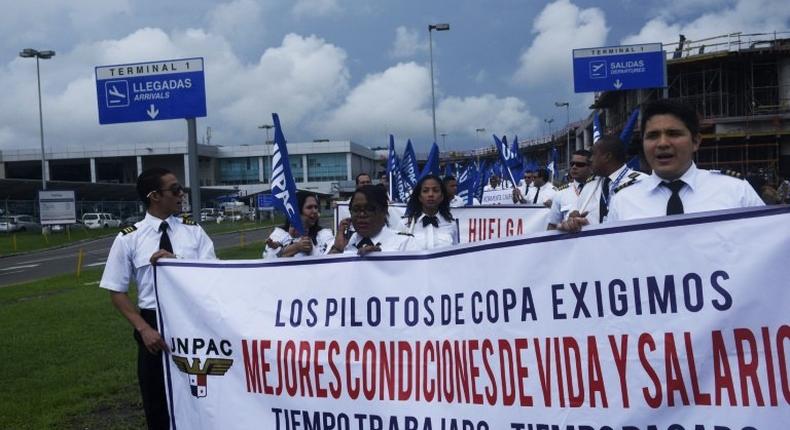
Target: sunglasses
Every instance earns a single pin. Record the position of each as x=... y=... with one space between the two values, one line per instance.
x=578 y=164
x=176 y=189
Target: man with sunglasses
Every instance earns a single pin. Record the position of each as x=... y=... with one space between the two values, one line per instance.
x=161 y=234
x=567 y=196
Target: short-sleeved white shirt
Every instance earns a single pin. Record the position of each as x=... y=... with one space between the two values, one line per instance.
x=131 y=252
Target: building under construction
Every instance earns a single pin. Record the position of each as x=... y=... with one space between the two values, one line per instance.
x=738 y=83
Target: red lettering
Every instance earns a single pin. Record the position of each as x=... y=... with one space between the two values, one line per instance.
x=290 y=372
x=558 y=366
x=748 y=370
x=769 y=366
x=351 y=382
x=645 y=340
x=721 y=370
x=404 y=358
x=491 y=392
x=334 y=389
x=429 y=392
x=544 y=371
x=522 y=373
x=304 y=368
x=387 y=370
x=461 y=371
x=318 y=369
x=595 y=372
x=369 y=370
x=251 y=368
x=569 y=345
x=673 y=372
x=781 y=335
x=620 y=359
x=474 y=372
x=700 y=398
x=505 y=371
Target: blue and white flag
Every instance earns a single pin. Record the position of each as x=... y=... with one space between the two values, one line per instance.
x=597 y=130
x=432 y=164
x=467 y=179
x=408 y=168
x=628 y=130
x=552 y=165
x=449 y=168
x=511 y=161
x=283 y=186
x=393 y=173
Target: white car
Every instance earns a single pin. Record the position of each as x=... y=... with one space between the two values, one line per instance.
x=19 y=223
x=95 y=220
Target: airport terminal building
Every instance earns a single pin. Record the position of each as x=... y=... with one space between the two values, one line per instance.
x=324 y=167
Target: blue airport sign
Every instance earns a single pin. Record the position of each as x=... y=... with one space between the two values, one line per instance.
x=615 y=68
x=152 y=91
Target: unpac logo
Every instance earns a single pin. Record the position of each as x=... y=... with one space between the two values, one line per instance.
x=198 y=375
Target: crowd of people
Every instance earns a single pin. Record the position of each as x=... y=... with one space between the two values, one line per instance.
x=601 y=189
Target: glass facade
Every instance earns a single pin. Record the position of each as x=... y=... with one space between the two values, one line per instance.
x=326 y=167
x=237 y=171
x=296 y=167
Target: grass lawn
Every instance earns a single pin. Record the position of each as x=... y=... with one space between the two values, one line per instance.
x=22 y=241
x=68 y=357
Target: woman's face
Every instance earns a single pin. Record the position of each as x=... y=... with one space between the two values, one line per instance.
x=430 y=195
x=367 y=217
x=310 y=213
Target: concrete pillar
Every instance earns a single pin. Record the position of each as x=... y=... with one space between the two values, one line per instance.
x=304 y=168
x=186 y=171
x=579 y=141
x=46 y=170
x=260 y=169
x=349 y=175
x=139 y=165
x=2 y=170
x=93 y=170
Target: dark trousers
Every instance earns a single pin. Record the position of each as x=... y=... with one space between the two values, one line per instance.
x=150 y=375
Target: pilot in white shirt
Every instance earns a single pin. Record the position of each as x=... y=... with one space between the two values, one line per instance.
x=567 y=196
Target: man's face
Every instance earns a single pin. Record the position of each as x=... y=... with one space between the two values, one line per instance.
x=580 y=168
x=537 y=180
x=599 y=160
x=452 y=189
x=529 y=177
x=669 y=146
x=385 y=180
x=169 y=195
x=494 y=181
x=363 y=180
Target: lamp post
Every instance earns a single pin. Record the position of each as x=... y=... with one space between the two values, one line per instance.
x=431 y=27
x=266 y=127
x=44 y=55
x=444 y=141
x=548 y=121
x=477 y=134
x=568 y=131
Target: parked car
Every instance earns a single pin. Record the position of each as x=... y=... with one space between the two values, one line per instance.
x=208 y=214
x=94 y=220
x=56 y=228
x=19 y=223
x=130 y=221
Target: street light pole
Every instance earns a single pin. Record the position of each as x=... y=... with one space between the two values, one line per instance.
x=266 y=127
x=444 y=141
x=30 y=53
x=568 y=131
x=477 y=134
x=431 y=27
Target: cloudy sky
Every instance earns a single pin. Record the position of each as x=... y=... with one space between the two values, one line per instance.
x=336 y=69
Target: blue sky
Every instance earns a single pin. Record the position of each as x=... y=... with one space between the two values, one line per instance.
x=336 y=69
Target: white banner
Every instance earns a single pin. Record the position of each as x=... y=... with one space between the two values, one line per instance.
x=498 y=197
x=477 y=223
x=675 y=324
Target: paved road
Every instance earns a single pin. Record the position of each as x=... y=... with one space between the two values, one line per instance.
x=44 y=264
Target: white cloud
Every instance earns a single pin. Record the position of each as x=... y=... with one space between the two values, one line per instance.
x=747 y=16
x=560 y=27
x=398 y=101
x=407 y=43
x=239 y=22
x=315 y=7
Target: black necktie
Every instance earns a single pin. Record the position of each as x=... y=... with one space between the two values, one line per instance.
x=674 y=204
x=363 y=242
x=604 y=201
x=535 y=200
x=164 y=241
x=430 y=220
x=581 y=186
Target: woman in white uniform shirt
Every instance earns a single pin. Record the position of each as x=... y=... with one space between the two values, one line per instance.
x=285 y=241
x=429 y=217
x=369 y=211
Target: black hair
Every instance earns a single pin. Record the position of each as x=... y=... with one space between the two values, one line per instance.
x=312 y=231
x=682 y=111
x=375 y=195
x=543 y=173
x=583 y=152
x=609 y=144
x=148 y=181
x=447 y=179
x=414 y=207
x=356 y=178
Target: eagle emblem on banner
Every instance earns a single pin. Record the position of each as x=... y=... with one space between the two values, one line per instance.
x=198 y=374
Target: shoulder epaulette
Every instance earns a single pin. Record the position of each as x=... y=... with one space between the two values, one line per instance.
x=728 y=172
x=634 y=175
x=403 y=233
x=187 y=221
x=562 y=187
x=625 y=185
x=127 y=230
x=590 y=179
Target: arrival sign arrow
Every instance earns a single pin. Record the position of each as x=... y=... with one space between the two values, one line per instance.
x=157 y=90
x=625 y=67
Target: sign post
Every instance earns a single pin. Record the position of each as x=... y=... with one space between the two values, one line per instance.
x=153 y=91
x=615 y=68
